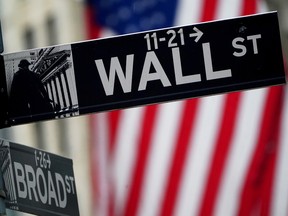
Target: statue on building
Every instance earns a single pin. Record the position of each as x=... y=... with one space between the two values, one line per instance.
x=28 y=95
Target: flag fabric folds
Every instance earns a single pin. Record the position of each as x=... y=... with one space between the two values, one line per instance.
x=217 y=155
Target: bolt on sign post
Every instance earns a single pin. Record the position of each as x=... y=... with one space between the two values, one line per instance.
x=142 y=68
x=37 y=181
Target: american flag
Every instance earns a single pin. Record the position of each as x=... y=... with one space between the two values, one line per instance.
x=217 y=155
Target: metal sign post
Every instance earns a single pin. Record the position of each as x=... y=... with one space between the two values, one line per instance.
x=1 y=40
x=142 y=68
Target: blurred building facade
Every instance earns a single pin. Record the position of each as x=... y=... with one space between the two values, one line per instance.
x=282 y=7
x=29 y=24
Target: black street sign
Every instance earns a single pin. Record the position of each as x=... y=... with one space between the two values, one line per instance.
x=37 y=182
x=142 y=68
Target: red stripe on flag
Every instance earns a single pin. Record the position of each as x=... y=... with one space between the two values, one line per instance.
x=93 y=30
x=221 y=152
x=179 y=158
x=249 y=7
x=141 y=160
x=223 y=143
x=262 y=164
x=278 y=94
x=114 y=117
x=208 y=13
x=209 y=10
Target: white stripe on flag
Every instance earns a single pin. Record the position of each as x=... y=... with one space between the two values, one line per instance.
x=163 y=140
x=229 y=9
x=127 y=135
x=280 y=193
x=242 y=147
x=101 y=153
x=188 y=11
x=199 y=155
x=262 y=6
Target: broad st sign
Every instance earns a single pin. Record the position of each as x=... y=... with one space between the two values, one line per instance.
x=142 y=68
x=37 y=182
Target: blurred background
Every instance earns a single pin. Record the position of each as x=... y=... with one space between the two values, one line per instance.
x=116 y=186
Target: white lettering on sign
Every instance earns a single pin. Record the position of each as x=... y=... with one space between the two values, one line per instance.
x=254 y=42
x=210 y=74
x=237 y=43
x=180 y=79
x=34 y=185
x=159 y=74
x=151 y=59
x=239 y=46
x=115 y=68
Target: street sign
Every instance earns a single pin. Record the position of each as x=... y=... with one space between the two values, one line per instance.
x=37 y=182
x=142 y=68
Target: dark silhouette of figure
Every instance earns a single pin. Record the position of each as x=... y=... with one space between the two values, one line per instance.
x=28 y=95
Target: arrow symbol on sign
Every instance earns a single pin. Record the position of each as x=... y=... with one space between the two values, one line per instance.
x=198 y=34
